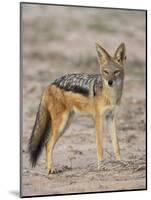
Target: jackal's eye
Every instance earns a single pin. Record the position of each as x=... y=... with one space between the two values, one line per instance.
x=105 y=72
x=117 y=72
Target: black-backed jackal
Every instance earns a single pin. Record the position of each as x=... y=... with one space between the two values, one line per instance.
x=97 y=94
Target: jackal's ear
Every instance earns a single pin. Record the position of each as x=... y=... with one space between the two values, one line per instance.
x=120 y=54
x=103 y=56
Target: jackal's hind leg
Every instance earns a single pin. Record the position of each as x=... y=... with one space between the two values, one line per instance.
x=58 y=127
x=49 y=150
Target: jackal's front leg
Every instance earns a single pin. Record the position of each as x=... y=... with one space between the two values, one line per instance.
x=114 y=138
x=99 y=138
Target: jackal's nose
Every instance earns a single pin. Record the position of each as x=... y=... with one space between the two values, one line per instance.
x=110 y=82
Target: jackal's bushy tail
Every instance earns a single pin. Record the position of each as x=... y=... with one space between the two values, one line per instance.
x=39 y=134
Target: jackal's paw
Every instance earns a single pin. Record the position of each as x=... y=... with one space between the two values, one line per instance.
x=118 y=157
x=99 y=165
x=51 y=170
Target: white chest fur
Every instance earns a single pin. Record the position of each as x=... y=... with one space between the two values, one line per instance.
x=112 y=96
x=109 y=110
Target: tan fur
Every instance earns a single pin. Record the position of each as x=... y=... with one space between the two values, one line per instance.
x=60 y=103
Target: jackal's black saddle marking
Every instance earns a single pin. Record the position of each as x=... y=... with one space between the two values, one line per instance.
x=85 y=84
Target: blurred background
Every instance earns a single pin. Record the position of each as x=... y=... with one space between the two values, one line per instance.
x=61 y=39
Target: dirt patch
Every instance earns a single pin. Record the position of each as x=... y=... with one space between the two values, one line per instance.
x=59 y=40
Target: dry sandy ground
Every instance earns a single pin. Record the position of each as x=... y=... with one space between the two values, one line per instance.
x=59 y=40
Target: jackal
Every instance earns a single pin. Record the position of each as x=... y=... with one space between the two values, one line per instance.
x=97 y=94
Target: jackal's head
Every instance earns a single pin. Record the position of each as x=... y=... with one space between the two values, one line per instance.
x=112 y=68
